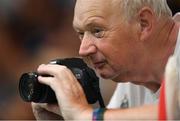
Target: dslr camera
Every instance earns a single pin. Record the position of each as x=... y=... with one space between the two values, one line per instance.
x=32 y=91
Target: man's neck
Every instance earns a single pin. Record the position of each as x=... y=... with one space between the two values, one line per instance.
x=166 y=38
x=171 y=38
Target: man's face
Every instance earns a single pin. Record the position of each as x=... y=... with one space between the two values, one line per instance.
x=107 y=39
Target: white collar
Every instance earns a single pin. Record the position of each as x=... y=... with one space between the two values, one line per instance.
x=176 y=17
x=177 y=48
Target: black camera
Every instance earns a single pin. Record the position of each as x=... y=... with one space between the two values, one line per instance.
x=33 y=91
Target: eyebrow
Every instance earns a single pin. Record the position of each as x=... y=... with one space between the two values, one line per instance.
x=89 y=24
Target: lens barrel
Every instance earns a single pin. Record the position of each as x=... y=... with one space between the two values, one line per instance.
x=32 y=91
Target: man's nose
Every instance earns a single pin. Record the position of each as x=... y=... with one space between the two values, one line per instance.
x=87 y=46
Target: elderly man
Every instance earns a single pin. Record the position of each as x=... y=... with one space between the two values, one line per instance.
x=126 y=41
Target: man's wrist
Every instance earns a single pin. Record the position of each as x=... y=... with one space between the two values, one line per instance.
x=85 y=114
x=98 y=114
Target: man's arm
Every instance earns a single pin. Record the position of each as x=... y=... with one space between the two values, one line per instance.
x=146 y=112
x=143 y=112
x=140 y=113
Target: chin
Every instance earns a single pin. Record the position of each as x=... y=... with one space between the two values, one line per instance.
x=119 y=77
x=106 y=72
x=104 y=76
x=107 y=75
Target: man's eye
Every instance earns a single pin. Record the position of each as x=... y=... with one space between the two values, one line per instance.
x=81 y=35
x=97 y=32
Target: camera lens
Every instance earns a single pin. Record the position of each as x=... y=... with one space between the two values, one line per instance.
x=28 y=87
x=32 y=91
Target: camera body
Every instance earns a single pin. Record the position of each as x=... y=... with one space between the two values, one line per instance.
x=33 y=91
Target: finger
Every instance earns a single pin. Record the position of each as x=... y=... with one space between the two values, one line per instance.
x=45 y=80
x=42 y=112
x=38 y=106
x=53 y=108
x=51 y=69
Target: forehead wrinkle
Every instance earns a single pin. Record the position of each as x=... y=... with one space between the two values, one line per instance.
x=92 y=20
x=89 y=22
x=80 y=22
x=87 y=10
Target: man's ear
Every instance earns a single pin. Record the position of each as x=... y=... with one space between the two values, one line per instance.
x=146 y=19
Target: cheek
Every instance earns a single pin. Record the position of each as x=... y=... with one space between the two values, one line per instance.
x=111 y=57
x=119 y=56
x=118 y=47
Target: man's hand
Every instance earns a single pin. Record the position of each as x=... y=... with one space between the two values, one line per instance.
x=46 y=111
x=69 y=93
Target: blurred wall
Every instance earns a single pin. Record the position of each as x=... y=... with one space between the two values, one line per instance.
x=33 y=32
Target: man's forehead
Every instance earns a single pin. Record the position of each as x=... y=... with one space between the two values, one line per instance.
x=87 y=8
x=89 y=5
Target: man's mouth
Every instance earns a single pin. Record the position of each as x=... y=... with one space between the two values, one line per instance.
x=99 y=64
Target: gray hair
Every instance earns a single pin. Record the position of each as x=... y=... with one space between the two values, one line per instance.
x=131 y=7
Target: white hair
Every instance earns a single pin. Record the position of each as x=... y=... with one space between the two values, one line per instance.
x=131 y=7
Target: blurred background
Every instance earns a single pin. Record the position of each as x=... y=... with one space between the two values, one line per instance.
x=174 y=5
x=33 y=32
